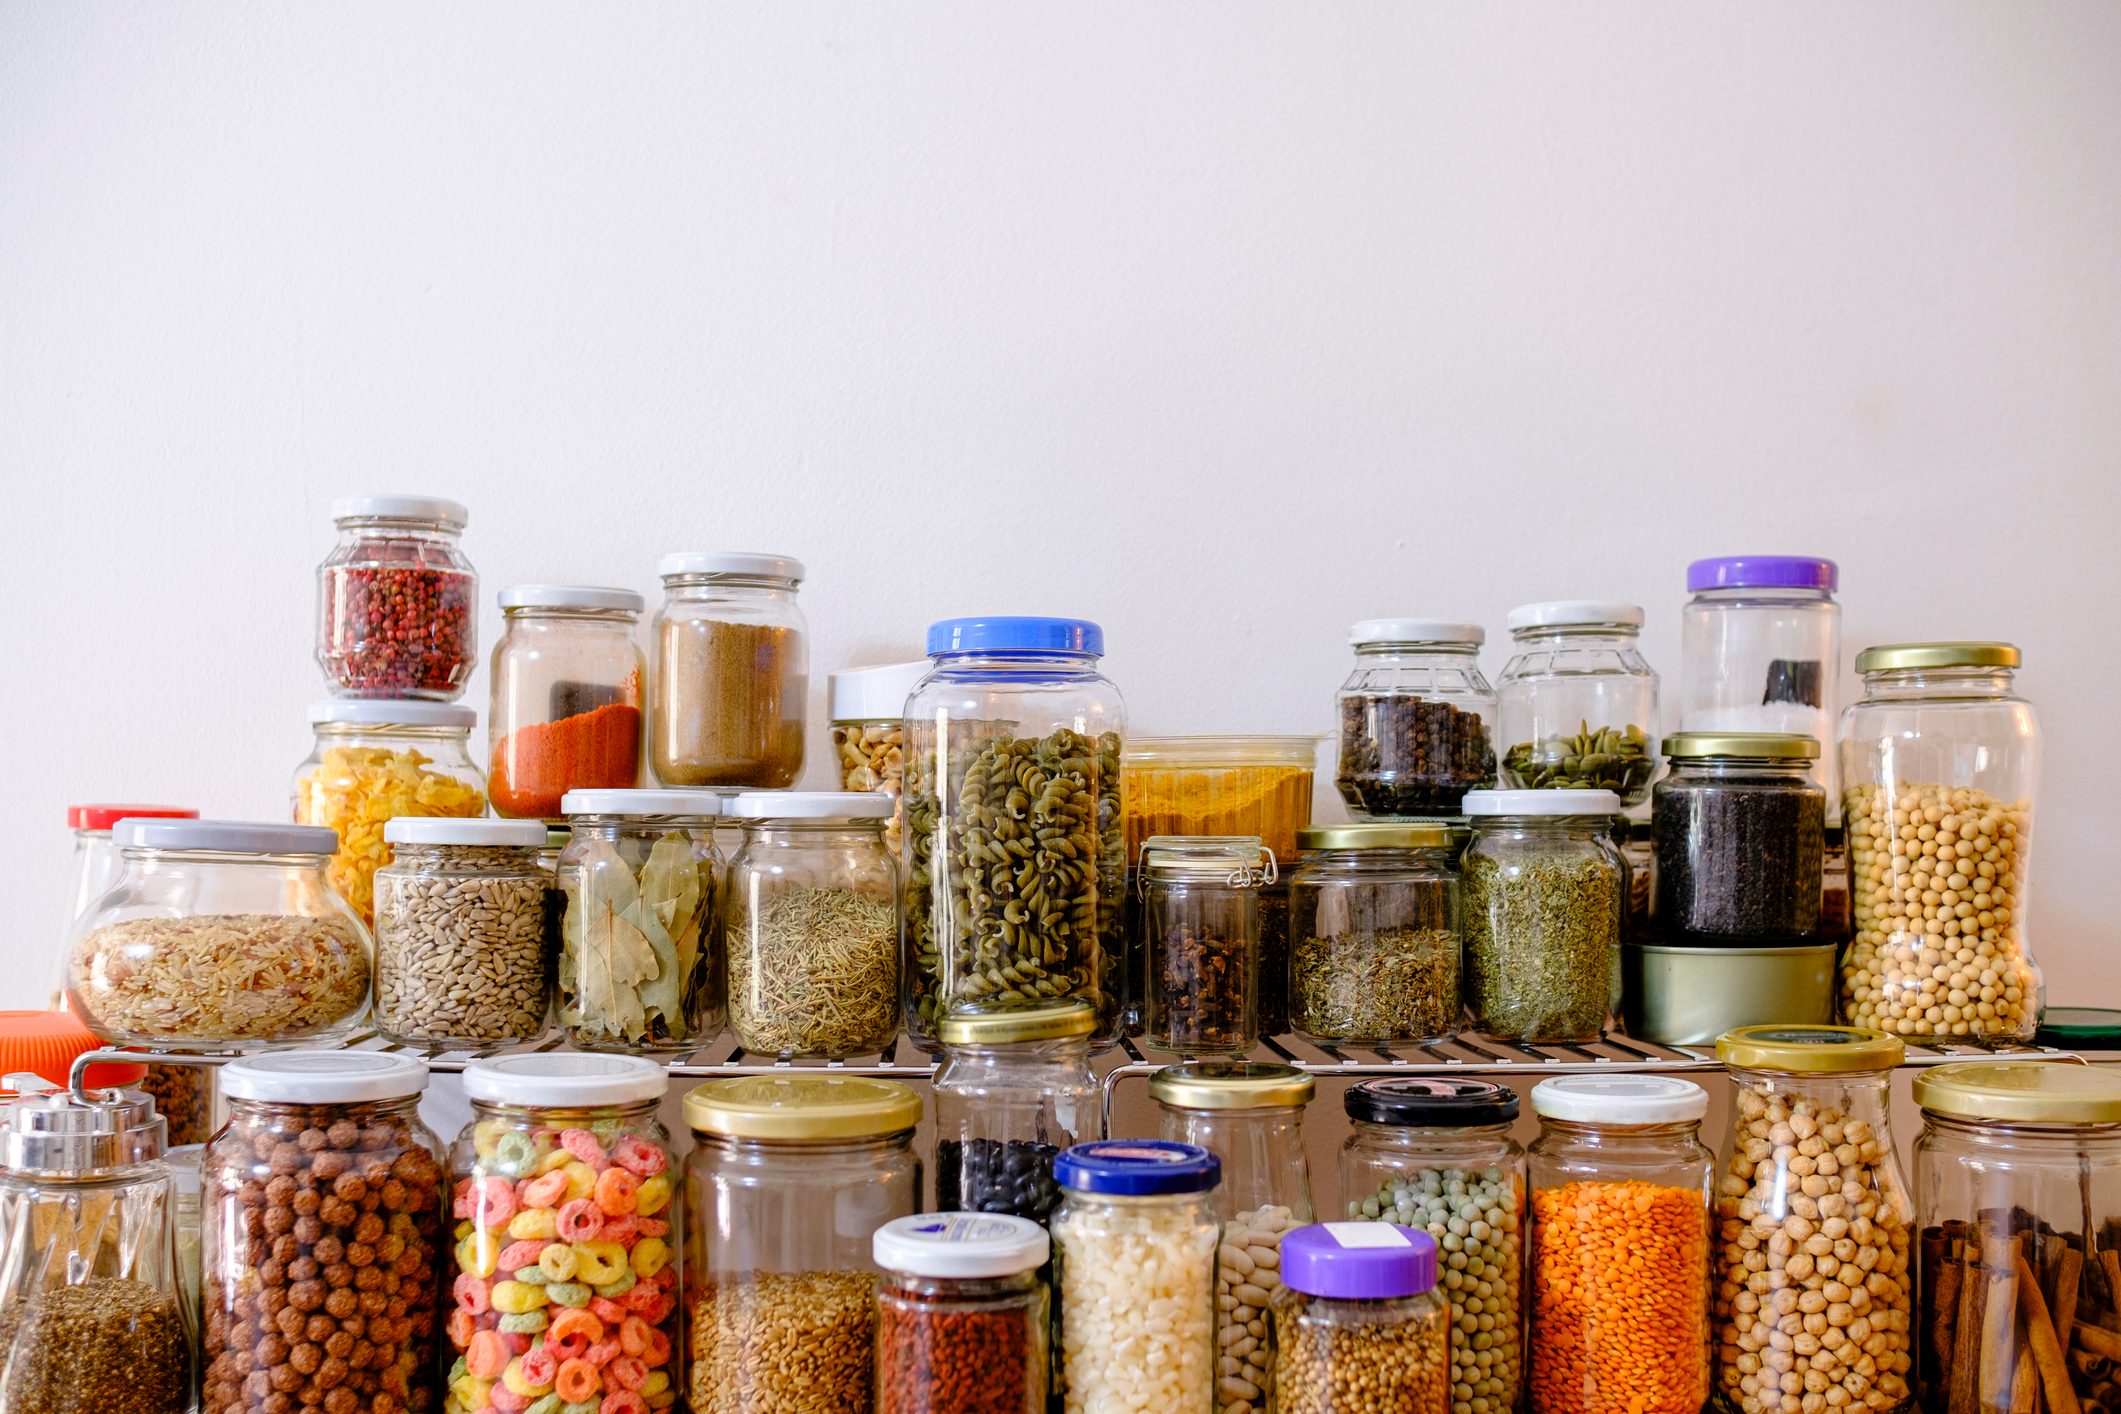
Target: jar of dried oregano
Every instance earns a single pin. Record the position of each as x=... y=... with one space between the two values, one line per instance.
x=731 y=672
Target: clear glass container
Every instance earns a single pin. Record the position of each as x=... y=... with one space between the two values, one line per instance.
x=1942 y=759
x=1251 y=1118
x=869 y=734
x=1579 y=701
x=790 y=1178
x=811 y=925
x=1741 y=842
x=565 y=1280
x=219 y=933
x=566 y=704
x=324 y=1231
x=1200 y=921
x=397 y=602
x=464 y=946
x=187 y=1179
x=1637 y=840
x=1013 y=1089
x=1375 y=933
x=1417 y=720
x=1135 y=1241
x=95 y=864
x=374 y=762
x=1359 y=1327
x=1015 y=853
x=1812 y=1269
x=93 y=1315
x=732 y=672
x=2018 y=1186
x=1545 y=888
x=1620 y=1246
x=962 y=1315
x=640 y=964
x=1436 y=1155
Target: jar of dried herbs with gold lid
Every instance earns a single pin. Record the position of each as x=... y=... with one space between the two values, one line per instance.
x=1374 y=935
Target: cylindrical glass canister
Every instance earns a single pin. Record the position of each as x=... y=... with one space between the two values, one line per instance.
x=731 y=671
x=1741 y=842
x=1013 y=1089
x=1578 y=700
x=397 y=601
x=567 y=694
x=1416 y=719
x=962 y=1315
x=1200 y=920
x=1375 y=933
x=463 y=944
x=1545 y=889
x=1358 y=1325
x=869 y=734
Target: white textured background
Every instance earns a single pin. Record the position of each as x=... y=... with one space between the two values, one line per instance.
x=1224 y=324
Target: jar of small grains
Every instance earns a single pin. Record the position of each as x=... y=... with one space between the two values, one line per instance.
x=1578 y=700
x=1416 y=719
x=1014 y=1088
x=1375 y=933
x=1358 y=1325
x=1200 y=941
x=397 y=601
x=962 y=1318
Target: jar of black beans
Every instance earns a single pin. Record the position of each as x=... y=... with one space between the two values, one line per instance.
x=1014 y=1088
x=1741 y=839
x=1416 y=719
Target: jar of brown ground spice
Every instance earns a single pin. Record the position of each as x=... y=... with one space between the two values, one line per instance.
x=731 y=673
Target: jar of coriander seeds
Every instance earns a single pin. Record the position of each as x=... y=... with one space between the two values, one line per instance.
x=1358 y=1326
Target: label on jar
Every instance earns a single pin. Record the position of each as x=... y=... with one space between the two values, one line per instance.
x=1366 y=1235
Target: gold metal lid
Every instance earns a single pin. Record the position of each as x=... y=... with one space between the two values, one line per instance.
x=1810 y=1050
x=2023 y=1092
x=1232 y=1085
x=1056 y=1021
x=801 y=1106
x=1905 y=657
x=1792 y=746
x=1383 y=834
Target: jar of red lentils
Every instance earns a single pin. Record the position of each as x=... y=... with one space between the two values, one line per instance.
x=397 y=601
x=962 y=1315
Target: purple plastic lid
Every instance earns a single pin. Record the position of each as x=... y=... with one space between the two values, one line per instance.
x=1763 y=572
x=1374 y=1261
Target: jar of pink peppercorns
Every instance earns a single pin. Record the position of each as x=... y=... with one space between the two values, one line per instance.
x=396 y=599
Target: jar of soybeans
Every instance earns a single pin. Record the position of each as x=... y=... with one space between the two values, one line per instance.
x=1545 y=891
x=566 y=707
x=397 y=601
x=1014 y=1088
x=1200 y=920
x=1578 y=700
x=732 y=671
x=1416 y=719
x=869 y=733
x=1358 y=1327
x=963 y=1316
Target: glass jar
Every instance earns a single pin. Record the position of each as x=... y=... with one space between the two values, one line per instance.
x=1544 y=891
x=95 y=865
x=463 y=956
x=1200 y=922
x=184 y=1097
x=1013 y=902
x=2018 y=1185
x=397 y=602
x=1358 y=1327
x=324 y=1237
x=565 y=1277
x=1741 y=842
x=566 y=707
x=1942 y=758
x=1135 y=1241
x=1813 y=1276
x=962 y=1316
x=1579 y=701
x=1251 y=1118
x=1014 y=1089
x=93 y=1316
x=219 y=933
x=1374 y=929
x=374 y=762
x=1620 y=1246
x=811 y=925
x=790 y=1177
x=1416 y=719
x=186 y=1180
x=1436 y=1155
x=1637 y=840
x=732 y=671
x=640 y=963
x=869 y=734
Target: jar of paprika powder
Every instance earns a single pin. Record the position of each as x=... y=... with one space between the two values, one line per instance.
x=566 y=696
x=962 y=1316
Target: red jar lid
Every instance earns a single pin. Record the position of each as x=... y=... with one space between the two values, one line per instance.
x=46 y=1042
x=102 y=817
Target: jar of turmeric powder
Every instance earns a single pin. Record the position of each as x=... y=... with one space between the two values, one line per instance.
x=566 y=696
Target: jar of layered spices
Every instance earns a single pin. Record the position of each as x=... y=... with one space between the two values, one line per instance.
x=1375 y=933
x=869 y=734
x=1200 y=921
x=566 y=684
x=397 y=601
x=732 y=671
x=962 y=1315
x=1578 y=700
x=1416 y=719
x=1741 y=842
x=1358 y=1325
x=1014 y=1089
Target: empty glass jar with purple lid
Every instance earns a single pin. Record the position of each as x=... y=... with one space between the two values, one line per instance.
x=1358 y=1325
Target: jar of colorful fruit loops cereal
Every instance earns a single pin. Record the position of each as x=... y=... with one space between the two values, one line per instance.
x=565 y=1283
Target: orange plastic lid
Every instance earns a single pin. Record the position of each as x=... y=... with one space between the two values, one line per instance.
x=46 y=1042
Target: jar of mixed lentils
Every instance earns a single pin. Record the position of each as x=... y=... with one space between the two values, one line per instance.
x=397 y=601
x=566 y=706
x=1741 y=842
x=1014 y=1088
x=1416 y=719
x=1200 y=920
x=1358 y=1325
x=1579 y=701
x=869 y=733
x=1375 y=933
x=732 y=671
x=962 y=1315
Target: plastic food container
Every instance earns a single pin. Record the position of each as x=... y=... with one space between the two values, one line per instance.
x=1375 y=933
x=732 y=671
x=962 y=1315
x=397 y=602
x=1578 y=700
x=566 y=707
x=1416 y=719
x=463 y=944
x=1358 y=1325
x=1219 y=785
x=1741 y=842
x=869 y=733
x=1939 y=901
x=1013 y=1089
x=374 y=762
x=219 y=933
x=1200 y=918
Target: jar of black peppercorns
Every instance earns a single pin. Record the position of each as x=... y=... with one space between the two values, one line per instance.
x=1013 y=1090
x=1416 y=719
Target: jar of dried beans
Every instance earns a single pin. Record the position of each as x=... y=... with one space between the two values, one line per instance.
x=566 y=706
x=1416 y=719
x=962 y=1318
x=869 y=733
x=397 y=602
x=789 y=1179
x=1200 y=920
x=324 y=1228
x=1741 y=842
x=1014 y=1088
x=1579 y=701
x=1940 y=760
x=1620 y=1246
x=1545 y=891
x=732 y=671
x=1374 y=929
x=1814 y=1277
x=1358 y=1325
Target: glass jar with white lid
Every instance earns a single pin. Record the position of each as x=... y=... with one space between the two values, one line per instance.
x=1417 y=719
x=567 y=696
x=731 y=677
x=869 y=733
x=1579 y=701
x=963 y=1315
x=397 y=601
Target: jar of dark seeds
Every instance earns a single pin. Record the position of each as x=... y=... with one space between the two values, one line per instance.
x=1416 y=719
x=1013 y=1090
x=1545 y=888
x=1200 y=922
x=1741 y=840
x=1374 y=933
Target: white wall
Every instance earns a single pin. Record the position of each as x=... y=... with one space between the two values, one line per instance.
x=1224 y=324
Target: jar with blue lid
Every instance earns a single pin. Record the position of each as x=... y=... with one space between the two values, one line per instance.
x=1358 y=1327
x=1015 y=861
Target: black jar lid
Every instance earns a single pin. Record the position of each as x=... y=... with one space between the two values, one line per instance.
x=1432 y=1102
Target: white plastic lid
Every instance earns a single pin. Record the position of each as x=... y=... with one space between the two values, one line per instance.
x=225 y=836
x=569 y=596
x=691 y=562
x=811 y=805
x=1619 y=1099
x=960 y=1245
x=323 y=1077
x=566 y=1079
x=394 y=507
x=1540 y=802
x=1416 y=631
x=631 y=802
x=494 y=834
x=1562 y=613
x=876 y=694
x=391 y=712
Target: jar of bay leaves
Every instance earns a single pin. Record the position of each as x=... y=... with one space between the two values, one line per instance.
x=810 y=926
x=1015 y=857
x=731 y=671
x=1579 y=701
x=1014 y=1089
x=1200 y=926
x=1374 y=934
x=1416 y=719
